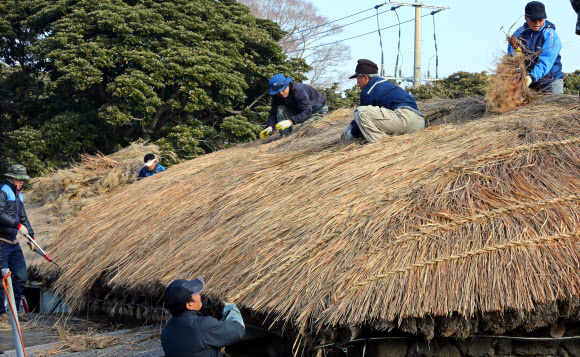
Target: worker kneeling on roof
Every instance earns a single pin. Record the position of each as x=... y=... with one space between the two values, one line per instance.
x=541 y=46
x=292 y=104
x=190 y=333
x=385 y=108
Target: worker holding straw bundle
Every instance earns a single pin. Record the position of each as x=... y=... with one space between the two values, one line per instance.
x=541 y=46
x=292 y=104
x=191 y=333
x=576 y=6
x=13 y=220
x=385 y=108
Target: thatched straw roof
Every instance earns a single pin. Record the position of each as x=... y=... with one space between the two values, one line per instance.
x=456 y=219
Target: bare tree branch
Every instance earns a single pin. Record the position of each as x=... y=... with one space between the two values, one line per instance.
x=305 y=28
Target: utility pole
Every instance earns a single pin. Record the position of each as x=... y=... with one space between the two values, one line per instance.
x=417 y=67
x=417 y=64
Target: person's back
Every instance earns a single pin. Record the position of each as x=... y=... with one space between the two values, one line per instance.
x=193 y=334
x=190 y=333
x=381 y=92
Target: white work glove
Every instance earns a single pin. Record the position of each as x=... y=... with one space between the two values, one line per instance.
x=23 y=230
x=348 y=128
x=528 y=81
x=348 y=136
x=264 y=134
x=284 y=124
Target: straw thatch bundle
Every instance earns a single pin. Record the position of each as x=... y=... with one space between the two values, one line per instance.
x=509 y=89
x=453 y=221
x=66 y=191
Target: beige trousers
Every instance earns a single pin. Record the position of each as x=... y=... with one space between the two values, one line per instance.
x=377 y=123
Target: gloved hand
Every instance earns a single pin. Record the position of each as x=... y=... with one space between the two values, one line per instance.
x=518 y=52
x=348 y=128
x=22 y=229
x=264 y=134
x=284 y=124
x=348 y=136
x=528 y=81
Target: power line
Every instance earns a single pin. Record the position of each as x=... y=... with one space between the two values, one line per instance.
x=334 y=29
x=350 y=38
x=333 y=21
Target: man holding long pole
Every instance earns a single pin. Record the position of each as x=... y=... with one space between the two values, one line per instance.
x=13 y=220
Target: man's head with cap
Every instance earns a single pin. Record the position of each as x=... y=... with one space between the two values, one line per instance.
x=364 y=71
x=150 y=161
x=182 y=295
x=535 y=14
x=279 y=85
x=17 y=175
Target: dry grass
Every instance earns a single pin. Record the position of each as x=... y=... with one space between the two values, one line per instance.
x=70 y=341
x=509 y=89
x=455 y=219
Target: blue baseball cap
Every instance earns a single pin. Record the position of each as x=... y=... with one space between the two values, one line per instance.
x=179 y=291
x=278 y=83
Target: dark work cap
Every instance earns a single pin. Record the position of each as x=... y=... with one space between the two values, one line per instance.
x=179 y=291
x=365 y=66
x=535 y=10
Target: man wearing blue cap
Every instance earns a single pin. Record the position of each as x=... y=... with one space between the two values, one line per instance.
x=576 y=7
x=541 y=46
x=190 y=333
x=292 y=104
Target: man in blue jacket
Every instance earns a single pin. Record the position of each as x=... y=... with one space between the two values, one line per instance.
x=190 y=333
x=150 y=167
x=292 y=104
x=13 y=220
x=385 y=108
x=576 y=7
x=541 y=46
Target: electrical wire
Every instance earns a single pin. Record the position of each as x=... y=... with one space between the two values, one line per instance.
x=436 y=51
x=333 y=29
x=381 y=42
x=342 y=18
x=350 y=38
x=399 y=44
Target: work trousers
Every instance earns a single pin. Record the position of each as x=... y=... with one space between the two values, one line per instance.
x=555 y=87
x=377 y=123
x=13 y=259
x=285 y=113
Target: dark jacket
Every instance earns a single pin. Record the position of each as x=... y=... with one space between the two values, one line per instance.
x=194 y=334
x=300 y=100
x=146 y=173
x=576 y=6
x=12 y=212
x=543 y=47
x=380 y=92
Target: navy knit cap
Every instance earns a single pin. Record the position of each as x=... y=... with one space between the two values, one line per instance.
x=278 y=83
x=535 y=10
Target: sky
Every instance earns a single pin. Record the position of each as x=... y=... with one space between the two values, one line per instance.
x=469 y=33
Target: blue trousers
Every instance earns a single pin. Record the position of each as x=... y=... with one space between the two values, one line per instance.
x=13 y=259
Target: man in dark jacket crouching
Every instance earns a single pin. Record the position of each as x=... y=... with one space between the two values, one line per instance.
x=191 y=333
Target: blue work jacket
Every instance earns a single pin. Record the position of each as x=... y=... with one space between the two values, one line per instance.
x=543 y=49
x=146 y=173
x=380 y=92
x=12 y=212
x=194 y=334
x=300 y=100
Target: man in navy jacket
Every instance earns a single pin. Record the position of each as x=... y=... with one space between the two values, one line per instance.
x=385 y=108
x=13 y=220
x=191 y=333
x=541 y=46
x=292 y=104
x=576 y=6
